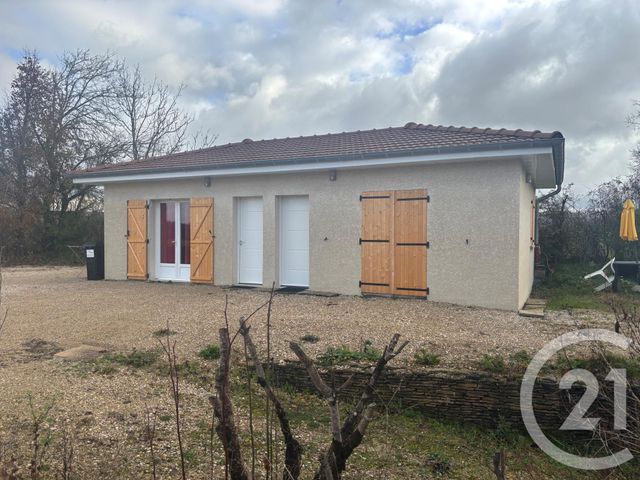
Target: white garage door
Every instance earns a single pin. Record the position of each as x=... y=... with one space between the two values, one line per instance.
x=294 y=241
x=250 y=240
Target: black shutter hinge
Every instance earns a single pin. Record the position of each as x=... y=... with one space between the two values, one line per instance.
x=428 y=198
x=428 y=244
x=359 y=241
x=147 y=241
x=147 y=275
x=427 y=290
x=360 y=284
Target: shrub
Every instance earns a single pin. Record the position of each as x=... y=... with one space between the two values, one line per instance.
x=493 y=363
x=424 y=357
x=210 y=352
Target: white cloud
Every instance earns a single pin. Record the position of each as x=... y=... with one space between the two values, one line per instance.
x=260 y=69
x=7 y=71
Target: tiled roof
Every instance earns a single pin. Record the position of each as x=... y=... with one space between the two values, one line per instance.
x=410 y=139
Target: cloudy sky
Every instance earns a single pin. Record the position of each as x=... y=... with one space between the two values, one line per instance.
x=271 y=68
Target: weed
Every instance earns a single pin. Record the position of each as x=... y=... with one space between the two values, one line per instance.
x=309 y=338
x=104 y=368
x=210 y=352
x=493 y=363
x=505 y=434
x=439 y=463
x=521 y=357
x=135 y=359
x=599 y=364
x=343 y=354
x=424 y=357
x=164 y=332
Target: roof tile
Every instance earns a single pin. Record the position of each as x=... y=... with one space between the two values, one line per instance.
x=401 y=140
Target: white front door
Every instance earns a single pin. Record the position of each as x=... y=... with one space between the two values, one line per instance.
x=173 y=240
x=294 y=241
x=249 y=238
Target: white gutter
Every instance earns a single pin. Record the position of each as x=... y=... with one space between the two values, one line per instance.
x=316 y=166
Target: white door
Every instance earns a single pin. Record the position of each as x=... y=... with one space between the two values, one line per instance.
x=249 y=240
x=294 y=241
x=173 y=237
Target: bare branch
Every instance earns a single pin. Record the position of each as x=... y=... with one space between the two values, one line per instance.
x=223 y=410
x=293 y=450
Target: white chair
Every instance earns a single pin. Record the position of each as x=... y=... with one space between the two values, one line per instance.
x=608 y=279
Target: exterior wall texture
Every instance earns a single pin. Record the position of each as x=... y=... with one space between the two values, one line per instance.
x=526 y=251
x=475 y=226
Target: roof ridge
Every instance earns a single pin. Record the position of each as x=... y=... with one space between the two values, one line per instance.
x=485 y=131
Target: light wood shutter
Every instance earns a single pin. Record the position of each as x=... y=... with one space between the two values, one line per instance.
x=394 y=242
x=375 y=241
x=137 y=240
x=410 y=246
x=201 y=214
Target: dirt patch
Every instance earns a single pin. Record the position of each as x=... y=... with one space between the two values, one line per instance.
x=38 y=349
x=81 y=353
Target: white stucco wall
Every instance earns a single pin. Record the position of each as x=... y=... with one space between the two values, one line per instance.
x=475 y=225
x=526 y=250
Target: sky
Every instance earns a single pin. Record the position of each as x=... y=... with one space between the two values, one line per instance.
x=276 y=68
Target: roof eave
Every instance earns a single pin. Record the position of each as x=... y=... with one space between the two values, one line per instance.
x=557 y=145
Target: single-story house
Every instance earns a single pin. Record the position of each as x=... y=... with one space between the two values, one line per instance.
x=447 y=213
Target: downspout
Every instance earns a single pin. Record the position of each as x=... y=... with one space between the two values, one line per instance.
x=558 y=165
x=539 y=200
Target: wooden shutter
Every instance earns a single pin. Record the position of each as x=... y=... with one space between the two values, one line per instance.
x=201 y=212
x=137 y=240
x=375 y=241
x=394 y=242
x=410 y=246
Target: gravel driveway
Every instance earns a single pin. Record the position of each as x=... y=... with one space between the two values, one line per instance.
x=58 y=305
x=56 y=308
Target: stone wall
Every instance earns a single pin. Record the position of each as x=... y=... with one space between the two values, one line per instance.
x=469 y=397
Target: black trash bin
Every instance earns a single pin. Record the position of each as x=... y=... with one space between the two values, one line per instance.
x=94 y=255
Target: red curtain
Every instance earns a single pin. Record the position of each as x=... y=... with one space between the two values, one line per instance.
x=167 y=232
x=185 y=234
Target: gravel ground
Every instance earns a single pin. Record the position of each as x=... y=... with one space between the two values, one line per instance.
x=58 y=305
x=56 y=308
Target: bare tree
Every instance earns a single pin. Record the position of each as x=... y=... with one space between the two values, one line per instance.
x=149 y=116
x=88 y=110
x=72 y=132
x=633 y=121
